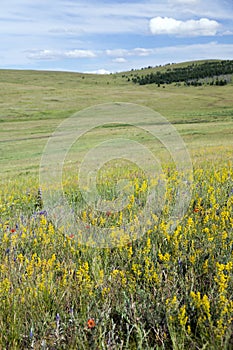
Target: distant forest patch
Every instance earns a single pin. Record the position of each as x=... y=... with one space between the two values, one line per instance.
x=196 y=74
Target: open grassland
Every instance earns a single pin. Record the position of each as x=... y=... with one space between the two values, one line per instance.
x=154 y=287
x=33 y=104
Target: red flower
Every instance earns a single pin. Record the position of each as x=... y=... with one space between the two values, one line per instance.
x=108 y=213
x=71 y=236
x=91 y=323
x=13 y=230
x=196 y=210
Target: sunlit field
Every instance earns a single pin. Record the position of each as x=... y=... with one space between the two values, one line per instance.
x=163 y=282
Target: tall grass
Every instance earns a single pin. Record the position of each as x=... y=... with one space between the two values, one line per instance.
x=162 y=290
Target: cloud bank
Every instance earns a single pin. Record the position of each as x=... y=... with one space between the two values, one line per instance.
x=171 y=26
x=53 y=54
x=115 y=34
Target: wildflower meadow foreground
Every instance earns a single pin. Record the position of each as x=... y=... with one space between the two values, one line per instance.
x=163 y=289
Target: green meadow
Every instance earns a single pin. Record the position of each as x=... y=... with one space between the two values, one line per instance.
x=33 y=104
x=135 y=276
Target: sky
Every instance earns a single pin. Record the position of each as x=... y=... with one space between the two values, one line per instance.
x=112 y=36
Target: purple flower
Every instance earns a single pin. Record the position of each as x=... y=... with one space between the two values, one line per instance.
x=31 y=333
x=57 y=320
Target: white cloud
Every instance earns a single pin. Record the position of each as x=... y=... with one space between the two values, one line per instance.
x=43 y=54
x=201 y=27
x=99 y=71
x=54 y=55
x=227 y=32
x=138 y=51
x=119 y=60
x=142 y=52
x=79 y=54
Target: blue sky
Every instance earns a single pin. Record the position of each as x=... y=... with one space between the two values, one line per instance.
x=110 y=36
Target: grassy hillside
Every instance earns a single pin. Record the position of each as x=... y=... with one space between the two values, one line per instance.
x=163 y=68
x=196 y=74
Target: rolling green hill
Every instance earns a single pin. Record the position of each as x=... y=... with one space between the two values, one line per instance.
x=33 y=104
x=193 y=73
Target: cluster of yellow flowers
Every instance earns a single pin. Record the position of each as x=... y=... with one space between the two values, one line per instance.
x=183 y=276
